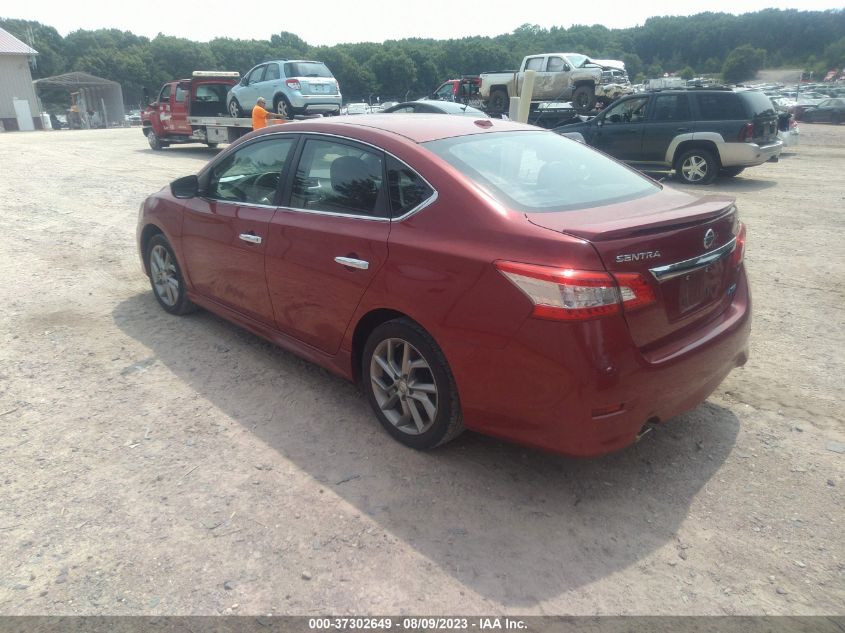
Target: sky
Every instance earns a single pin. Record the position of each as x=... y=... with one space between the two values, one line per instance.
x=329 y=22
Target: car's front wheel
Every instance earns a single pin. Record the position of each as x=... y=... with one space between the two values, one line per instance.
x=235 y=109
x=697 y=167
x=155 y=142
x=409 y=385
x=166 y=277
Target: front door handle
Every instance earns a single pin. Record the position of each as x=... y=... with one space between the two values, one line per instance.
x=352 y=263
x=252 y=238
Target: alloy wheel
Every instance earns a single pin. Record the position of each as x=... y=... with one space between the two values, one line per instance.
x=164 y=275
x=404 y=386
x=694 y=168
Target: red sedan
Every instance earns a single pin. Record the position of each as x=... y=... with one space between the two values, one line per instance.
x=466 y=272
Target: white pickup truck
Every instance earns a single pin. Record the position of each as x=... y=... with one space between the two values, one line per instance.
x=560 y=77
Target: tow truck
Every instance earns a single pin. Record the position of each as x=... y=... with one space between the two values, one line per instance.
x=194 y=111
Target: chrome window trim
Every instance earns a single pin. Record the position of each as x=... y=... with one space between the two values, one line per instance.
x=687 y=266
x=422 y=205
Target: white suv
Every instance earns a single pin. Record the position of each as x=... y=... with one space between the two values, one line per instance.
x=291 y=86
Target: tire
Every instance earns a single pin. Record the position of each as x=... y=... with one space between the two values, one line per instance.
x=282 y=106
x=166 y=278
x=499 y=100
x=697 y=167
x=155 y=142
x=420 y=419
x=584 y=99
x=730 y=172
x=235 y=109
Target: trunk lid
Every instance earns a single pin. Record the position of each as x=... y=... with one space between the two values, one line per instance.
x=650 y=237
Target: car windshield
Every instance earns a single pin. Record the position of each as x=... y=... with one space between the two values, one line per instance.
x=307 y=69
x=541 y=171
x=576 y=60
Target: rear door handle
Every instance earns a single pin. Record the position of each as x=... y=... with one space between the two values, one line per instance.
x=252 y=238
x=352 y=263
x=682 y=129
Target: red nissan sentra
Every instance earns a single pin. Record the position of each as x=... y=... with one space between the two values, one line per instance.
x=467 y=273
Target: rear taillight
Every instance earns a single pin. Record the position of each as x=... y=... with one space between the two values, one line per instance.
x=293 y=84
x=746 y=134
x=577 y=295
x=738 y=253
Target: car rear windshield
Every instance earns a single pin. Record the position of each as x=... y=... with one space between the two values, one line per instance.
x=307 y=69
x=541 y=171
x=760 y=104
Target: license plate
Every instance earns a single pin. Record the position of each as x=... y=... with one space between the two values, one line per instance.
x=320 y=88
x=698 y=288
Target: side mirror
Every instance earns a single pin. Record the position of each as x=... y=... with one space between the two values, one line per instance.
x=187 y=187
x=567 y=67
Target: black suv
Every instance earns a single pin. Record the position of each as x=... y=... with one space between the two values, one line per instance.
x=700 y=133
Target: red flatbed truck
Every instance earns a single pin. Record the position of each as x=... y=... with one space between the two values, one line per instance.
x=194 y=111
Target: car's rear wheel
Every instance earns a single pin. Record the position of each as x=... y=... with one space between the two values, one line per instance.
x=166 y=277
x=730 y=172
x=498 y=100
x=697 y=167
x=282 y=106
x=235 y=109
x=409 y=385
x=584 y=99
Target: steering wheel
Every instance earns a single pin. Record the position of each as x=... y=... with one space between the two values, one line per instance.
x=270 y=180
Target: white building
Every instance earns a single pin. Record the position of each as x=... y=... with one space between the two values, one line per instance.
x=18 y=104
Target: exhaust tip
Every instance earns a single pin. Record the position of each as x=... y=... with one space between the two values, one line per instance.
x=647 y=428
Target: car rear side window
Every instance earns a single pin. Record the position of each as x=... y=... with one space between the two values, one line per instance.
x=252 y=173
x=535 y=63
x=541 y=171
x=759 y=103
x=407 y=188
x=671 y=108
x=272 y=72
x=339 y=178
x=720 y=106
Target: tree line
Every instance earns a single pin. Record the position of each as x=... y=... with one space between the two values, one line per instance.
x=707 y=43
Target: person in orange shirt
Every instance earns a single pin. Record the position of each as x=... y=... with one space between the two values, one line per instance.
x=260 y=114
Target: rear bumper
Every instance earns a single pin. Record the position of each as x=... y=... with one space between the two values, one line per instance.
x=316 y=103
x=585 y=389
x=748 y=154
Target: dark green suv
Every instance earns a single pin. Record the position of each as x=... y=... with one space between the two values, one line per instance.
x=699 y=133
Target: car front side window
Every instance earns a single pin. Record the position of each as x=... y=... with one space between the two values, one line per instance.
x=628 y=111
x=251 y=175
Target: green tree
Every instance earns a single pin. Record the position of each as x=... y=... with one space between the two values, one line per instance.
x=742 y=63
x=687 y=73
x=395 y=72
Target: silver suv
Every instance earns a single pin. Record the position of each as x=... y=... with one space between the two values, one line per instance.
x=291 y=86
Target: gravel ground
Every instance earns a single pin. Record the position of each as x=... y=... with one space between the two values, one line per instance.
x=159 y=465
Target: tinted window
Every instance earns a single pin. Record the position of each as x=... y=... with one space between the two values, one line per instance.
x=541 y=171
x=210 y=93
x=671 y=108
x=272 y=72
x=339 y=178
x=165 y=93
x=407 y=189
x=535 y=63
x=720 y=106
x=628 y=111
x=181 y=93
x=307 y=69
x=555 y=64
x=760 y=103
x=252 y=173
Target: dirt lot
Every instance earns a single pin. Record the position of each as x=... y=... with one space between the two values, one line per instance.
x=159 y=465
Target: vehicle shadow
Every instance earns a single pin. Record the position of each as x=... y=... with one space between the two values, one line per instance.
x=515 y=525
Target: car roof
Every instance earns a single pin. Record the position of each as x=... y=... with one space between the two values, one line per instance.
x=419 y=128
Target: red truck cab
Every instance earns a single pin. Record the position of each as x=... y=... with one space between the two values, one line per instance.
x=167 y=119
x=464 y=90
